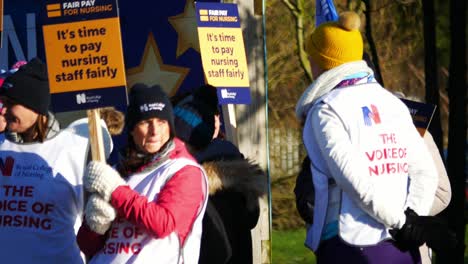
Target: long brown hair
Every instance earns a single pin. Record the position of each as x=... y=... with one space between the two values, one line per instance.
x=134 y=159
x=131 y=159
x=38 y=131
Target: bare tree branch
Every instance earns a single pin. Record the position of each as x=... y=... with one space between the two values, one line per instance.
x=298 y=12
x=291 y=7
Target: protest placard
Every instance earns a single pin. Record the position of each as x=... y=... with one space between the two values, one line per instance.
x=84 y=57
x=223 y=52
x=421 y=113
x=84 y=54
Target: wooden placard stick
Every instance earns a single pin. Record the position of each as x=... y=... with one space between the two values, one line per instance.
x=230 y=123
x=95 y=135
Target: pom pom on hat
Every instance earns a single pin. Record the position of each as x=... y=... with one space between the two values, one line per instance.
x=334 y=43
x=349 y=21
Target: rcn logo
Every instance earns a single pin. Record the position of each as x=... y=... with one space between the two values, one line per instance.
x=81 y=98
x=371 y=115
x=6 y=166
x=225 y=94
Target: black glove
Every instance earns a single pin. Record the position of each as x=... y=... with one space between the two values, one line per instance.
x=437 y=234
x=418 y=230
x=411 y=234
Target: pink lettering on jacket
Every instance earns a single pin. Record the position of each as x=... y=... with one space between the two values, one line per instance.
x=390 y=159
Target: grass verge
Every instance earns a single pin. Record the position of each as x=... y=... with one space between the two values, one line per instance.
x=288 y=248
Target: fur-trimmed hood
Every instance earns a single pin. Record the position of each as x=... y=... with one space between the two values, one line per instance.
x=240 y=175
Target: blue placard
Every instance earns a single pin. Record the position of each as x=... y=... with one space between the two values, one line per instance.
x=227 y=14
x=421 y=113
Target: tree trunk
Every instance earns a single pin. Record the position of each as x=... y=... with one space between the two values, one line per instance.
x=303 y=57
x=370 y=40
x=297 y=11
x=456 y=159
x=430 y=71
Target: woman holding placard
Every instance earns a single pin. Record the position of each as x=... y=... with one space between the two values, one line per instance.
x=150 y=209
x=41 y=195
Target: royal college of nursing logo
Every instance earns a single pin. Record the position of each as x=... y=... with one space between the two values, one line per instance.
x=83 y=98
x=6 y=166
x=225 y=94
x=152 y=107
x=371 y=115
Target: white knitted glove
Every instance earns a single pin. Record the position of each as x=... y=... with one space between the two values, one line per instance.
x=99 y=214
x=102 y=179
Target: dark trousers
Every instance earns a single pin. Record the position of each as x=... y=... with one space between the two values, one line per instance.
x=335 y=250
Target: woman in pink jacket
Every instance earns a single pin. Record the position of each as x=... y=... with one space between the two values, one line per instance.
x=150 y=208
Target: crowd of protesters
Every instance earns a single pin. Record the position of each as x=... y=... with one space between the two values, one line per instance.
x=182 y=193
x=60 y=206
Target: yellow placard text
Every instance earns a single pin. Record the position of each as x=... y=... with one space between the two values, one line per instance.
x=223 y=56
x=84 y=55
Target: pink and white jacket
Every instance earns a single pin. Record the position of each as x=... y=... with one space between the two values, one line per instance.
x=363 y=138
x=159 y=215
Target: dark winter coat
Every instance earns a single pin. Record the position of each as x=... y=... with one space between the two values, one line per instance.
x=235 y=185
x=304 y=192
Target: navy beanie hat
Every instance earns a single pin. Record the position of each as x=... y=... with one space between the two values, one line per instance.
x=194 y=117
x=149 y=102
x=29 y=86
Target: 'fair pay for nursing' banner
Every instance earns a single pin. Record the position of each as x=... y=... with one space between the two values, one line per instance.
x=84 y=54
x=222 y=51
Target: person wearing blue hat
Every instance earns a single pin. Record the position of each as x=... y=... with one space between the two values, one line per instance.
x=236 y=183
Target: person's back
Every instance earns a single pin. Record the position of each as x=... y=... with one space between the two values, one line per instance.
x=235 y=186
x=381 y=146
x=362 y=137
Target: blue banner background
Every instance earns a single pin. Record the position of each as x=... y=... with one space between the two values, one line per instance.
x=140 y=21
x=155 y=50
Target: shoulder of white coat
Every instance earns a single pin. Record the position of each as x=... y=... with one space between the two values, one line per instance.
x=80 y=128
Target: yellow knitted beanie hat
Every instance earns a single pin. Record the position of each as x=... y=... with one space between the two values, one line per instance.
x=334 y=43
